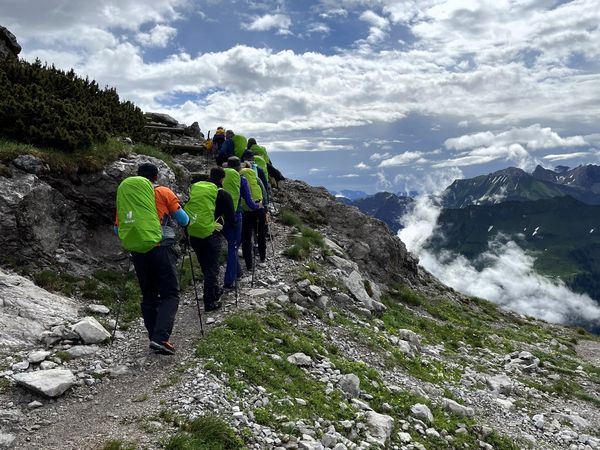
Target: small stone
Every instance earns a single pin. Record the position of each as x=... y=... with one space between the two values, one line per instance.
x=20 y=366
x=35 y=404
x=405 y=438
x=80 y=351
x=301 y=401
x=300 y=359
x=38 y=356
x=350 y=385
x=380 y=426
x=91 y=331
x=98 y=309
x=457 y=408
x=46 y=365
x=422 y=412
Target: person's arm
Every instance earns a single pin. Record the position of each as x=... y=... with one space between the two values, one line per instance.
x=262 y=176
x=174 y=207
x=247 y=195
x=224 y=207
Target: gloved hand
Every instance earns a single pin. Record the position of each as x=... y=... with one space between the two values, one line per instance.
x=260 y=204
x=218 y=226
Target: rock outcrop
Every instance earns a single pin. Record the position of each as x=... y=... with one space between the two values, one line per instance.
x=9 y=47
x=75 y=233
x=26 y=311
x=366 y=240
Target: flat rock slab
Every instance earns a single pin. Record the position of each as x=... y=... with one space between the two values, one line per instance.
x=51 y=383
x=91 y=331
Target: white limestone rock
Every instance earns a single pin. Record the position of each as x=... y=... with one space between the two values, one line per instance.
x=350 y=385
x=422 y=412
x=380 y=426
x=51 y=383
x=91 y=331
x=38 y=356
x=300 y=359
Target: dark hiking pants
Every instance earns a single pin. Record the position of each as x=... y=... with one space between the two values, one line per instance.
x=253 y=225
x=156 y=271
x=208 y=251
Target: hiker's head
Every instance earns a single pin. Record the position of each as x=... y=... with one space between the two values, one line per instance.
x=229 y=134
x=220 y=130
x=251 y=142
x=216 y=176
x=233 y=162
x=148 y=170
x=247 y=156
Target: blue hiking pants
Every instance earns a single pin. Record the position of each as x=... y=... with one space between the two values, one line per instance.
x=233 y=235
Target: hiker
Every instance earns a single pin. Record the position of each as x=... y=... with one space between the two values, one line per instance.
x=227 y=148
x=210 y=208
x=273 y=174
x=253 y=221
x=144 y=217
x=239 y=189
x=248 y=157
x=217 y=140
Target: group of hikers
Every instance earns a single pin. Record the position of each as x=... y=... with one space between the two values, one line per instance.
x=232 y=203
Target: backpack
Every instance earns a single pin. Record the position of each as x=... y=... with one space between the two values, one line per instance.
x=239 y=142
x=139 y=227
x=201 y=209
x=232 y=184
x=255 y=189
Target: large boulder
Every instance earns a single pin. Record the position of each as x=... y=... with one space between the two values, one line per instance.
x=51 y=383
x=164 y=119
x=26 y=311
x=8 y=44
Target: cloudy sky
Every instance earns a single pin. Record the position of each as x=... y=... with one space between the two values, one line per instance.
x=349 y=94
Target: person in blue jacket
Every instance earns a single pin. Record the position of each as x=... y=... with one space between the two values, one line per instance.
x=227 y=148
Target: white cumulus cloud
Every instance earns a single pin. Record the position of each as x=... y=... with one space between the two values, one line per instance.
x=280 y=22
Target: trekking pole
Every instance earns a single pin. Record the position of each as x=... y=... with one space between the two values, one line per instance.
x=237 y=294
x=195 y=290
x=121 y=300
x=270 y=236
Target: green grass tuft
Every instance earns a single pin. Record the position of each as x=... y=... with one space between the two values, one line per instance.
x=208 y=432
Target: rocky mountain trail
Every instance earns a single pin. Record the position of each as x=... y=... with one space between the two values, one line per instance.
x=341 y=342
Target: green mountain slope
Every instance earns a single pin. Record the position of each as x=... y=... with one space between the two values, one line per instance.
x=562 y=233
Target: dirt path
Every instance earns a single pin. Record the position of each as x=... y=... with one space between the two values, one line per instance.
x=125 y=407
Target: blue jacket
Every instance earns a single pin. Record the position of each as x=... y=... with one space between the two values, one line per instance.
x=226 y=150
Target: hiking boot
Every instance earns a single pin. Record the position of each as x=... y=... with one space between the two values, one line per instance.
x=163 y=348
x=213 y=307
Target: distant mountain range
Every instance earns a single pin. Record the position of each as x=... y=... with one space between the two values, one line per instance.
x=513 y=184
x=349 y=194
x=385 y=206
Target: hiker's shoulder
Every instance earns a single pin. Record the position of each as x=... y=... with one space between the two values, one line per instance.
x=166 y=196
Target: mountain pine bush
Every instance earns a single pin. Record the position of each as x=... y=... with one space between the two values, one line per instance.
x=48 y=107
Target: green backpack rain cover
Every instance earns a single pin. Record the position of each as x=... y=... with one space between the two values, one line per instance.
x=231 y=184
x=255 y=189
x=260 y=162
x=259 y=150
x=201 y=209
x=239 y=144
x=139 y=227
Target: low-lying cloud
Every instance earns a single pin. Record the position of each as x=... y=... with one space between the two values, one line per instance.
x=507 y=278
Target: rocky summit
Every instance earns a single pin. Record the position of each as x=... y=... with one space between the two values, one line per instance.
x=341 y=342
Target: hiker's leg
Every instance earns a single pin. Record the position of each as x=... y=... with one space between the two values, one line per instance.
x=166 y=263
x=229 y=232
x=202 y=250
x=144 y=270
x=211 y=275
x=247 y=238
x=261 y=217
x=238 y=241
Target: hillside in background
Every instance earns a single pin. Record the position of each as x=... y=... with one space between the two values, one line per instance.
x=563 y=234
x=513 y=184
x=385 y=206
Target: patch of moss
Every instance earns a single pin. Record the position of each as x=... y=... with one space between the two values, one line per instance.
x=207 y=432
